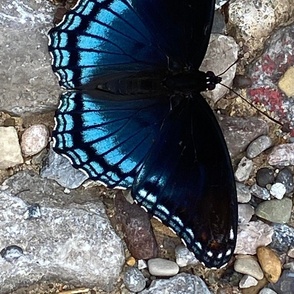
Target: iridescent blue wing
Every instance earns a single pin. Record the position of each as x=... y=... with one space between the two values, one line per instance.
x=187 y=182
x=107 y=137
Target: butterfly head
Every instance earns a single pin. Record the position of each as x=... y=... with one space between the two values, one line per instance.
x=212 y=80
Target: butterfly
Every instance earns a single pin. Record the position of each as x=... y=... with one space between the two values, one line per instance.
x=133 y=116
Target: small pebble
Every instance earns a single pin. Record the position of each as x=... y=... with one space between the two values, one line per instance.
x=33 y=211
x=245 y=213
x=270 y=263
x=291 y=252
x=134 y=280
x=267 y=291
x=244 y=169
x=278 y=190
x=131 y=261
x=249 y=266
x=285 y=284
x=277 y=211
x=265 y=176
x=247 y=281
x=243 y=193
x=242 y=82
x=34 y=139
x=184 y=256
x=142 y=264
x=259 y=192
x=11 y=253
x=162 y=267
x=258 y=146
x=282 y=155
x=285 y=177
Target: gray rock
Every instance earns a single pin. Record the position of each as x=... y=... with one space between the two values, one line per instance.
x=134 y=280
x=247 y=281
x=259 y=145
x=282 y=155
x=285 y=284
x=285 y=177
x=277 y=211
x=248 y=265
x=243 y=193
x=245 y=213
x=253 y=235
x=184 y=256
x=283 y=238
x=10 y=154
x=70 y=240
x=244 y=169
x=57 y=167
x=259 y=192
x=162 y=267
x=267 y=291
x=180 y=284
x=27 y=81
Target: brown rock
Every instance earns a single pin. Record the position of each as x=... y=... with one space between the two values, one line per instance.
x=270 y=263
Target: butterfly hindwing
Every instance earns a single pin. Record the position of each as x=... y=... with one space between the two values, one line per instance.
x=187 y=182
x=107 y=137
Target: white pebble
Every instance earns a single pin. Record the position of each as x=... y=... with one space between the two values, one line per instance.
x=162 y=267
x=278 y=190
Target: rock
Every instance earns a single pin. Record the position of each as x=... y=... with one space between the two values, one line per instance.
x=243 y=193
x=285 y=284
x=245 y=213
x=180 y=284
x=265 y=176
x=259 y=192
x=285 y=177
x=267 y=291
x=282 y=155
x=247 y=281
x=259 y=145
x=244 y=169
x=253 y=235
x=136 y=226
x=34 y=139
x=278 y=190
x=184 y=256
x=249 y=266
x=282 y=238
x=59 y=168
x=286 y=82
x=270 y=263
x=162 y=267
x=70 y=242
x=134 y=280
x=277 y=211
x=10 y=154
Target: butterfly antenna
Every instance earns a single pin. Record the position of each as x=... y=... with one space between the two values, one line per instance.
x=252 y=105
x=239 y=57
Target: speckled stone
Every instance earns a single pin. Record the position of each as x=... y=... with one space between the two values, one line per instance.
x=245 y=213
x=259 y=192
x=162 y=267
x=285 y=177
x=285 y=284
x=259 y=145
x=244 y=169
x=277 y=211
x=34 y=139
x=243 y=193
x=134 y=279
x=184 y=256
x=282 y=155
x=270 y=263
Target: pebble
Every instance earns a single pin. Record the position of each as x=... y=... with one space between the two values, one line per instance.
x=253 y=235
x=184 y=256
x=33 y=212
x=291 y=252
x=180 y=284
x=244 y=169
x=136 y=226
x=285 y=284
x=134 y=280
x=277 y=211
x=282 y=155
x=162 y=267
x=265 y=176
x=245 y=213
x=243 y=193
x=248 y=265
x=283 y=236
x=285 y=177
x=34 y=139
x=142 y=264
x=278 y=190
x=259 y=192
x=247 y=281
x=286 y=82
x=270 y=263
x=242 y=81
x=9 y=148
x=131 y=261
x=267 y=291
x=259 y=145
x=11 y=253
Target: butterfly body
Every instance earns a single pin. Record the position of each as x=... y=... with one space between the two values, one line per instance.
x=134 y=116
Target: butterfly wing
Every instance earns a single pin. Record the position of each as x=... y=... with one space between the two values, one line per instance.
x=187 y=182
x=107 y=137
